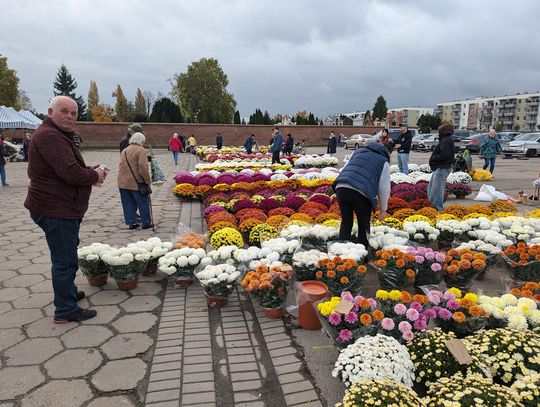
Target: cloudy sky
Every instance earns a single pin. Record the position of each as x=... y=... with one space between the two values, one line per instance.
x=281 y=56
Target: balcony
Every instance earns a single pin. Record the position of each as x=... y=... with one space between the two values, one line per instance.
x=507 y=122
x=509 y=105
x=507 y=114
x=533 y=103
x=530 y=121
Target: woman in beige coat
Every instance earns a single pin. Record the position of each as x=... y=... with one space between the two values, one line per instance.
x=133 y=168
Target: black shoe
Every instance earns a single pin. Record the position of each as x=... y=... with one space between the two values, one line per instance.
x=151 y=225
x=80 y=295
x=76 y=316
x=134 y=226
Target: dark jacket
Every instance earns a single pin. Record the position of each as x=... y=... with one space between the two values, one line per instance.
x=124 y=142
x=405 y=141
x=278 y=143
x=219 y=140
x=443 y=155
x=60 y=181
x=332 y=145
x=2 y=153
x=289 y=143
x=249 y=143
x=364 y=170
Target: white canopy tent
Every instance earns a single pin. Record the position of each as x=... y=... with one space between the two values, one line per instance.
x=30 y=117
x=11 y=119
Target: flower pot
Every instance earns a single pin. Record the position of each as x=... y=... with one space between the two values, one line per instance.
x=127 y=285
x=183 y=281
x=216 y=302
x=97 y=281
x=150 y=270
x=310 y=292
x=274 y=313
x=460 y=196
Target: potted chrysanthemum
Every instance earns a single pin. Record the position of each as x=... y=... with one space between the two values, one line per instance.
x=125 y=265
x=181 y=263
x=218 y=282
x=156 y=248
x=92 y=265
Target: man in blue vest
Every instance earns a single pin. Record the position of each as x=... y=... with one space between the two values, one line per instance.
x=365 y=177
x=403 y=145
x=276 y=146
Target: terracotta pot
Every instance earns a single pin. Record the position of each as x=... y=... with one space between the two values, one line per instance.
x=150 y=270
x=97 y=281
x=461 y=196
x=127 y=285
x=215 y=302
x=183 y=281
x=273 y=313
x=310 y=292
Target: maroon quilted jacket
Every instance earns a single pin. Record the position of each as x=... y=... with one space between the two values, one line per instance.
x=60 y=181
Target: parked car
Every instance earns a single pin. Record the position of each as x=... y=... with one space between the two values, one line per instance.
x=462 y=134
x=526 y=144
x=428 y=143
x=393 y=133
x=418 y=139
x=510 y=136
x=474 y=142
x=356 y=141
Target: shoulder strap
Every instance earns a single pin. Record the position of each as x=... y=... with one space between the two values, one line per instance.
x=127 y=161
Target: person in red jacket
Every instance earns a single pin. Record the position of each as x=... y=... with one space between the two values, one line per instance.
x=175 y=145
x=58 y=195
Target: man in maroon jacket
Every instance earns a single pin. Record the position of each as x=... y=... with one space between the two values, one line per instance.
x=58 y=195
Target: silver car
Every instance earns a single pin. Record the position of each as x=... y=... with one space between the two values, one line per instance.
x=526 y=144
x=418 y=139
x=428 y=143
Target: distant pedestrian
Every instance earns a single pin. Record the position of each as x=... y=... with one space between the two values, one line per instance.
x=386 y=141
x=441 y=162
x=3 y=163
x=219 y=141
x=192 y=143
x=174 y=146
x=490 y=148
x=277 y=145
x=404 y=148
x=289 y=144
x=341 y=140
x=248 y=145
x=26 y=145
x=183 y=141
x=133 y=128
x=332 y=144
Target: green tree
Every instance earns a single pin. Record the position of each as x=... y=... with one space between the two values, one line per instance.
x=498 y=127
x=428 y=122
x=93 y=100
x=140 y=107
x=202 y=93
x=9 y=84
x=517 y=127
x=121 y=107
x=243 y=121
x=166 y=111
x=347 y=121
x=237 y=117
x=311 y=119
x=266 y=118
x=380 y=109
x=257 y=117
x=65 y=85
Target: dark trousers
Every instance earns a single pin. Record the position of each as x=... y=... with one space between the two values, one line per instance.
x=62 y=238
x=275 y=157
x=489 y=162
x=353 y=202
x=131 y=201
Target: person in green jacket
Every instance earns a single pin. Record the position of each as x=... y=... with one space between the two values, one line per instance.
x=490 y=148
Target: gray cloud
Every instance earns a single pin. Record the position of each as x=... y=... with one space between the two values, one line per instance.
x=280 y=56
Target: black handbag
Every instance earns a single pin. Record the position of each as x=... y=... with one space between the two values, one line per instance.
x=144 y=189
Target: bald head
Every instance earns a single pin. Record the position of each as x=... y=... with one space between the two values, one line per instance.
x=63 y=112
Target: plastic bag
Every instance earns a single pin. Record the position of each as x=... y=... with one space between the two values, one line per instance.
x=158 y=177
x=526 y=272
x=185 y=237
x=488 y=193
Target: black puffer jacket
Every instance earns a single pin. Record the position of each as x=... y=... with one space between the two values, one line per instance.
x=443 y=155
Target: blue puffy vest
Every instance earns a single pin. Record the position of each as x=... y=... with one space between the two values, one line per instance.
x=364 y=170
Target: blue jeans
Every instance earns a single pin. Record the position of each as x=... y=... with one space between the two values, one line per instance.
x=489 y=162
x=62 y=238
x=3 y=175
x=175 y=156
x=131 y=200
x=403 y=162
x=436 y=187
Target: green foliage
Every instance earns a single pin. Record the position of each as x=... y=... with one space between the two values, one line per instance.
x=9 y=84
x=347 y=121
x=517 y=127
x=305 y=118
x=121 y=107
x=93 y=99
x=237 y=117
x=498 y=127
x=428 y=122
x=202 y=93
x=166 y=111
x=380 y=109
x=140 y=107
x=65 y=85
x=257 y=117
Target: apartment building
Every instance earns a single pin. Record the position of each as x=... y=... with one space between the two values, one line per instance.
x=408 y=115
x=516 y=112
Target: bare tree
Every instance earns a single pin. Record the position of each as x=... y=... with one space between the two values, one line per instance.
x=150 y=99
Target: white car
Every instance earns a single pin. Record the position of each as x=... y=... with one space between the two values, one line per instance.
x=356 y=141
x=527 y=145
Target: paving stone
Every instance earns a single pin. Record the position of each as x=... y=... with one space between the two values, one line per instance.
x=171 y=403
x=168 y=358
x=198 y=352
x=239 y=397
x=32 y=351
x=301 y=397
x=7 y=274
x=168 y=350
x=15 y=381
x=237 y=377
x=34 y=269
x=42 y=287
x=147 y=288
x=141 y=303
x=119 y=375
x=23 y=281
x=141 y=322
x=167 y=375
x=105 y=314
x=290 y=378
x=195 y=398
x=247 y=385
x=59 y=393
x=243 y=367
x=160 y=367
x=35 y=300
x=296 y=387
x=284 y=360
x=45 y=327
x=10 y=294
x=73 y=363
x=165 y=395
x=15 y=264
x=290 y=368
x=197 y=377
x=274 y=353
x=108 y=297
x=203 y=367
x=197 y=359
x=114 y=401
x=127 y=345
x=200 y=387
x=5 y=307
x=164 y=385
x=85 y=336
x=10 y=337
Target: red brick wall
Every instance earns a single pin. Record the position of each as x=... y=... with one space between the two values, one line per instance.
x=158 y=134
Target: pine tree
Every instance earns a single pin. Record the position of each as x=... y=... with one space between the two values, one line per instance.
x=380 y=109
x=166 y=111
x=93 y=100
x=121 y=106
x=237 y=117
x=266 y=118
x=65 y=85
x=140 y=106
x=311 y=119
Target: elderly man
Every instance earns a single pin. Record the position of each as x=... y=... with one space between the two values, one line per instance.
x=58 y=195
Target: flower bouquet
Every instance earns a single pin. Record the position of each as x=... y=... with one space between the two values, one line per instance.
x=340 y=274
x=261 y=232
x=380 y=392
x=218 y=283
x=492 y=252
x=450 y=230
x=377 y=358
x=92 y=265
x=420 y=231
x=395 y=269
x=181 y=264
x=473 y=390
x=269 y=286
x=459 y=189
x=523 y=262
x=428 y=265
x=462 y=266
x=305 y=263
x=348 y=250
x=432 y=359
x=125 y=265
x=530 y=289
x=528 y=389
x=384 y=237
x=156 y=248
x=285 y=248
x=510 y=312
x=454 y=313
x=459 y=176
x=509 y=354
x=363 y=318
x=226 y=237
